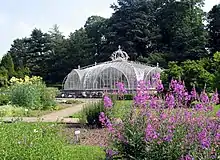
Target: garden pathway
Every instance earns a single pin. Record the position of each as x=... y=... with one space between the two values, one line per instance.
x=57 y=116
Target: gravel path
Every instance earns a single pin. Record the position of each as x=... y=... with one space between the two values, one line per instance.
x=57 y=116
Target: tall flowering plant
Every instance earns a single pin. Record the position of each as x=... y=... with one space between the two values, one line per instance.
x=177 y=126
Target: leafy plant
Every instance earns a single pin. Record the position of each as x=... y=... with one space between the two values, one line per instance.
x=32 y=93
x=90 y=113
x=4 y=99
x=177 y=125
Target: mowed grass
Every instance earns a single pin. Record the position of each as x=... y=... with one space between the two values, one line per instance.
x=41 y=141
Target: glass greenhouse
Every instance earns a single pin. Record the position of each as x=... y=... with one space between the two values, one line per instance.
x=104 y=76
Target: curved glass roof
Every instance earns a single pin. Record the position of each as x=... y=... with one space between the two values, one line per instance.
x=105 y=75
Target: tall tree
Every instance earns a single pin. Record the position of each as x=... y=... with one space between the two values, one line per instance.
x=79 y=49
x=182 y=29
x=18 y=52
x=56 y=67
x=39 y=53
x=214 y=29
x=95 y=28
x=8 y=64
x=133 y=26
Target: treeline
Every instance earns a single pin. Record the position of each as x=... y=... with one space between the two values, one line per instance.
x=150 y=31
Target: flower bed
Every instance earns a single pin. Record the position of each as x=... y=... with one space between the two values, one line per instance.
x=175 y=125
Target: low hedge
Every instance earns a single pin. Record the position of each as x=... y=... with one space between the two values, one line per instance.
x=124 y=97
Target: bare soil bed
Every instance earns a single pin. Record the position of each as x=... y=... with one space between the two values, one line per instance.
x=88 y=136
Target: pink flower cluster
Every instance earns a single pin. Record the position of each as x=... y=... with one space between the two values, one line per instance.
x=121 y=88
x=180 y=118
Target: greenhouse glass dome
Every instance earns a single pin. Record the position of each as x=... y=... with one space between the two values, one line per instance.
x=104 y=76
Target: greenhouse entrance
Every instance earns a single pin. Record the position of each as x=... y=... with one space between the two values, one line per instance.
x=94 y=80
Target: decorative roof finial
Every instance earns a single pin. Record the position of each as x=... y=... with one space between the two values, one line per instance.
x=119 y=55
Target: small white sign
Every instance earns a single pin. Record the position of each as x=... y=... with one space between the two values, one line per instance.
x=77 y=132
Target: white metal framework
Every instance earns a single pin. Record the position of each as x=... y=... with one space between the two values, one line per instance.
x=105 y=75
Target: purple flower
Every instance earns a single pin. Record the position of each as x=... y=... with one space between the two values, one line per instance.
x=110 y=153
x=193 y=93
x=217 y=137
x=140 y=100
x=204 y=98
x=163 y=116
x=102 y=118
x=121 y=88
x=218 y=114
x=107 y=102
x=109 y=125
x=187 y=157
x=170 y=100
x=187 y=96
x=150 y=133
x=168 y=138
x=215 y=99
x=199 y=106
x=153 y=102
x=159 y=86
x=204 y=139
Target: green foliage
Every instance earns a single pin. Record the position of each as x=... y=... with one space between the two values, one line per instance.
x=11 y=111
x=35 y=96
x=217 y=57
x=8 y=64
x=38 y=141
x=48 y=96
x=27 y=96
x=195 y=73
x=120 y=109
x=192 y=73
x=115 y=97
x=4 y=99
x=3 y=76
x=22 y=72
x=90 y=113
x=135 y=148
x=214 y=29
x=149 y=31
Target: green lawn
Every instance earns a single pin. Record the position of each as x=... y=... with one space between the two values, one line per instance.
x=37 y=141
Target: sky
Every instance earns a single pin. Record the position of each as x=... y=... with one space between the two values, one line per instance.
x=19 y=17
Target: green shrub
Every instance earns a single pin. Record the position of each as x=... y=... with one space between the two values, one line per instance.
x=11 y=111
x=26 y=95
x=115 y=97
x=33 y=96
x=4 y=99
x=90 y=113
x=48 y=96
x=128 y=96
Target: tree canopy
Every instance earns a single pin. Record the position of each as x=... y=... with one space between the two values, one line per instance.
x=150 y=31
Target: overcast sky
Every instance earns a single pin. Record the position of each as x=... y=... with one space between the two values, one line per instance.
x=19 y=17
